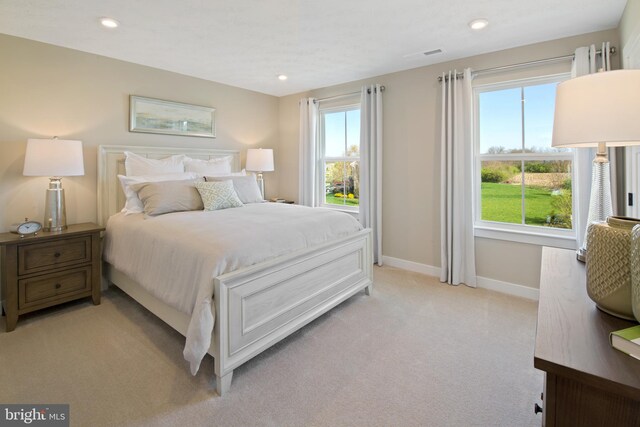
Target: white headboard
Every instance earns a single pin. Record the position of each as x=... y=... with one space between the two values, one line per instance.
x=111 y=164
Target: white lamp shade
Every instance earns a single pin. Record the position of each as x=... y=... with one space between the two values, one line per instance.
x=259 y=160
x=598 y=108
x=53 y=157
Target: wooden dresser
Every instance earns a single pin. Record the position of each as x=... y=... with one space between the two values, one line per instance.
x=587 y=382
x=48 y=269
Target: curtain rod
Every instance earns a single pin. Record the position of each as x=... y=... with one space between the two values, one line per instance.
x=612 y=50
x=382 y=88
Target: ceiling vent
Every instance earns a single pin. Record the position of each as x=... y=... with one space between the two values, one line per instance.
x=432 y=52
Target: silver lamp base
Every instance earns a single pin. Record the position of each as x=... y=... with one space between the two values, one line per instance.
x=55 y=216
x=260 y=180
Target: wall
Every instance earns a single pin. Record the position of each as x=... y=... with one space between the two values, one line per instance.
x=630 y=22
x=411 y=165
x=52 y=91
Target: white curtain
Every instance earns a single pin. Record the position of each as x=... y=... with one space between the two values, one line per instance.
x=371 y=165
x=586 y=61
x=457 y=250
x=307 y=194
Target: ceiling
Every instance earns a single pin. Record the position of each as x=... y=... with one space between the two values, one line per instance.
x=248 y=43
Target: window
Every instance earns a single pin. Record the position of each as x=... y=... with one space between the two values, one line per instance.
x=339 y=157
x=523 y=184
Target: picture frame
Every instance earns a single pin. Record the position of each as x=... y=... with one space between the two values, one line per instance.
x=150 y=115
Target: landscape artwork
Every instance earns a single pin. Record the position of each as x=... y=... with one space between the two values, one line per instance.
x=157 y=116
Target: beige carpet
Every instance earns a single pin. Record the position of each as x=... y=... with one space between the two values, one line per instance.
x=416 y=353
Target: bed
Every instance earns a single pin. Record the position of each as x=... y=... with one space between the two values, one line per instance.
x=254 y=306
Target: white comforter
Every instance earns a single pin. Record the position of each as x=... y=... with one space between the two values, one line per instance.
x=176 y=256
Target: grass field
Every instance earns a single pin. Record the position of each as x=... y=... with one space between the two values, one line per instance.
x=331 y=199
x=502 y=202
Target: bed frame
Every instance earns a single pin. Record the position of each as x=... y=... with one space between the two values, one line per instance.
x=255 y=307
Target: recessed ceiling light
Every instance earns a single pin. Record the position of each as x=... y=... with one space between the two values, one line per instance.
x=109 y=22
x=282 y=77
x=478 y=24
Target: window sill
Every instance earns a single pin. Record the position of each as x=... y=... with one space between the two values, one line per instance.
x=567 y=241
x=341 y=209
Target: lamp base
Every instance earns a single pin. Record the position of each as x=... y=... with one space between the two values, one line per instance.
x=55 y=216
x=260 y=180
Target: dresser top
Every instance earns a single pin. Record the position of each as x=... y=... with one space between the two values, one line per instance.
x=572 y=338
x=43 y=236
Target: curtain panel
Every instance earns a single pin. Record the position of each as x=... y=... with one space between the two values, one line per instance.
x=371 y=165
x=307 y=194
x=457 y=251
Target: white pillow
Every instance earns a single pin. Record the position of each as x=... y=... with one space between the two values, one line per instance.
x=136 y=165
x=246 y=187
x=215 y=166
x=218 y=195
x=133 y=203
x=243 y=172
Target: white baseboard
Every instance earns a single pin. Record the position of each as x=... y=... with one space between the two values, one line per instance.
x=482 y=282
x=508 y=288
x=416 y=267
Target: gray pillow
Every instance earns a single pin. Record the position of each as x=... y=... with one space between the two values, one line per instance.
x=246 y=187
x=168 y=196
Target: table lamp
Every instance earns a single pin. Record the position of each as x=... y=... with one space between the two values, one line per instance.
x=54 y=158
x=260 y=160
x=598 y=110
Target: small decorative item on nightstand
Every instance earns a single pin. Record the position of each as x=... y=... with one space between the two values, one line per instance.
x=609 y=265
x=635 y=271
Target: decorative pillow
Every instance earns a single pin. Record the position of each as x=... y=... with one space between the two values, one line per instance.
x=246 y=187
x=168 y=196
x=133 y=203
x=218 y=195
x=215 y=166
x=136 y=165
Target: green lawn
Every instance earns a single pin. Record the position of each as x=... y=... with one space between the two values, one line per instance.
x=502 y=202
x=332 y=200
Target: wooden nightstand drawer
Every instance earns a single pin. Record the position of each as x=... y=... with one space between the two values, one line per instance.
x=42 y=290
x=44 y=256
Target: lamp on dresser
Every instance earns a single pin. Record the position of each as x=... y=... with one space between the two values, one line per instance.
x=54 y=158
x=600 y=110
x=260 y=160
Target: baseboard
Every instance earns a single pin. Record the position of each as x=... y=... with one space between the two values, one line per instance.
x=508 y=288
x=482 y=282
x=416 y=267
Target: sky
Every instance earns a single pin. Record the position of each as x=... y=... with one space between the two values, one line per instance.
x=500 y=117
x=335 y=123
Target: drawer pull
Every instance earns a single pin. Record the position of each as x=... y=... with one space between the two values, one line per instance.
x=57 y=255
x=537 y=409
x=58 y=285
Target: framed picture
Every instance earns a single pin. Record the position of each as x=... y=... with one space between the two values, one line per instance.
x=174 y=118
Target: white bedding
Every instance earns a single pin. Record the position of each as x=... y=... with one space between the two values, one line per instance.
x=176 y=256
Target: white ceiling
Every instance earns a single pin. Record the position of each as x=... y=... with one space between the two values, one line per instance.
x=247 y=43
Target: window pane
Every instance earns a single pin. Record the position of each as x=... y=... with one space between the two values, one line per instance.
x=500 y=192
x=353 y=133
x=547 y=195
x=539 y=107
x=334 y=134
x=342 y=183
x=500 y=118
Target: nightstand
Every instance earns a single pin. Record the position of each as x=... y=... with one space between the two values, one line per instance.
x=49 y=269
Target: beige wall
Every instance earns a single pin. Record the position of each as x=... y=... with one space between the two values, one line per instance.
x=50 y=91
x=411 y=165
x=630 y=22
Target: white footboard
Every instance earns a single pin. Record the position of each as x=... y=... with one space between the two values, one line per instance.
x=259 y=306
